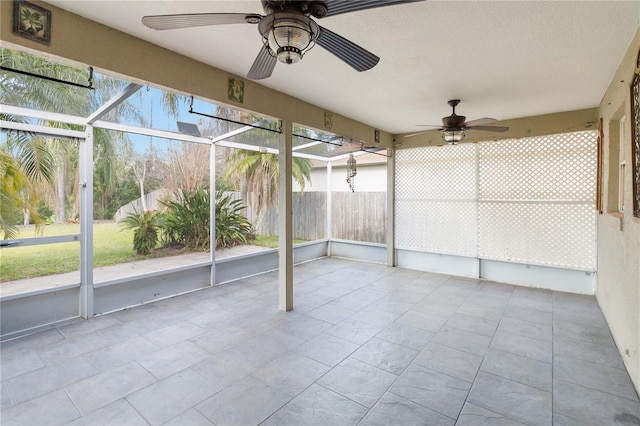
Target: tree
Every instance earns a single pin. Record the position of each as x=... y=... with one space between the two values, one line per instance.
x=261 y=172
x=58 y=158
x=187 y=168
x=13 y=185
x=29 y=157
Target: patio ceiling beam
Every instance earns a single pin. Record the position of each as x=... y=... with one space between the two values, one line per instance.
x=43 y=115
x=42 y=130
x=165 y=134
x=113 y=102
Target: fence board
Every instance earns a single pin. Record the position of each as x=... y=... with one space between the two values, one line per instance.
x=359 y=216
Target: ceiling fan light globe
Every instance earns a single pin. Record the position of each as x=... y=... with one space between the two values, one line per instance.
x=453 y=136
x=290 y=36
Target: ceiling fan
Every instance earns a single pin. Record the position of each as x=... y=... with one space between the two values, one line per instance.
x=454 y=126
x=287 y=29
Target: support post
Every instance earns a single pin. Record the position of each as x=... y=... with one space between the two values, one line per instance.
x=391 y=194
x=86 y=224
x=329 y=208
x=285 y=218
x=212 y=212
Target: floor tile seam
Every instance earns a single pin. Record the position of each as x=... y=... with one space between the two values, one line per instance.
x=582 y=324
x=156 y=379
x=507 y=315
x=517 y=381
x=204 y=331
x=589 y=362
x=448 y=375
x=133 y=407
x=97 y=348
x=590 y=341
x=431 y=408
x=343 y=396
x=66 y=392
x=290 y=396
x=550 y=341
x=604 y=364
x=636 y=401
x=402 y=345
x=470 y=332
x=479 y=404
x=11 y=398
x=375 y=366
x=484 y=356
x=522 y=384
x=8 y=379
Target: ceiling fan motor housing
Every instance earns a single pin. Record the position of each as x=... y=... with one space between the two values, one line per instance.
x=317 y=9
x=454 y=121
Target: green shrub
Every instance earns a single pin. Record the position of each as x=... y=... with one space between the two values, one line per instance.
x=232 y=227
x=187 y=220
x=145 y=230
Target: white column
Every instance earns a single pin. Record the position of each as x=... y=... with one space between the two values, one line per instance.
x=212 y=212
x=329 y=208
x=391 y=195
x=285 y=218
x=86 y=224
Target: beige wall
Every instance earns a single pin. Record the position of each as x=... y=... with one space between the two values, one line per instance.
x=618 y=290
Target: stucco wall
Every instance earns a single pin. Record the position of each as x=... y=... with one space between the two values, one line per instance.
x=618 y=288
x=370 y=178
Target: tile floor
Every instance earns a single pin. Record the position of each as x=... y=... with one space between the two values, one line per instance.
x=366 y=345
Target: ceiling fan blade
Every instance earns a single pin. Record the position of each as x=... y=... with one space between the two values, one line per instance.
x=263 y=65
x=479 y=121
x=430 y=125
x=489 y=128
x=420 y=133
x=188 y=20
x=337 y=7
x=354 y=55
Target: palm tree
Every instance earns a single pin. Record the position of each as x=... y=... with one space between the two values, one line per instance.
x=258 y=174
x=50 y=162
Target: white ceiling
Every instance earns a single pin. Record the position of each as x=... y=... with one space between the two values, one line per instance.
x=504 y=59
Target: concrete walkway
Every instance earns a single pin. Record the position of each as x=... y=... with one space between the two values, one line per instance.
x=122 y=270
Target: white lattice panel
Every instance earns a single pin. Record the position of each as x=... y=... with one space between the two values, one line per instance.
x=532 y=200
x=436 y=173
x=554 y=167
x=435 y=199
x=559 y=235
x=436 y=226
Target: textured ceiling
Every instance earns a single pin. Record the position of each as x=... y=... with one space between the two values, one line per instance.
x=503 y=59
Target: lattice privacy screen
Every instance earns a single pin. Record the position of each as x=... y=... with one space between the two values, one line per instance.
x=530 y=200
x=436 y=199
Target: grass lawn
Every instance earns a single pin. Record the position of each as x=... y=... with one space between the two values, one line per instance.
x=111 y=245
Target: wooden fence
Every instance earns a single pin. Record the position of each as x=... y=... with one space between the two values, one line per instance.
x=152 y=201
x=358 y=216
